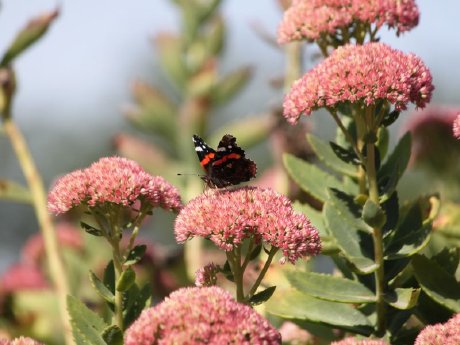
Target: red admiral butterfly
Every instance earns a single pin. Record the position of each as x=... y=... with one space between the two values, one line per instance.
x=225 y=167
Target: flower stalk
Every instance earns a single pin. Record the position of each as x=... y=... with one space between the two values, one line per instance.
x=37 y=189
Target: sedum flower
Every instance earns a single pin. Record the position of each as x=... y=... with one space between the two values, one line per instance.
x=361 y=74
x=112 y=180
x=456 y=126
x=67 y=235
x=22 y=276
x=207 y=275
x=441 y=334
x=207 y=315
x=312 y=19
x=358 y=341
x=292 y=334
x=229 y=216
x=20 y=341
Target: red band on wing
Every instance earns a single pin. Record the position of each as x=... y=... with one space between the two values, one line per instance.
x=206 y=159
x=226 y=157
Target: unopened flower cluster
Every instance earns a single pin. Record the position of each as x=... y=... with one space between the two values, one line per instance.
x=113 y=180
x=207 y=315
x=361 y=74
x=456 y=126
x=207 y=275
x=441 y=334
x=228 y=217
x=20 y=341
x=310 y=19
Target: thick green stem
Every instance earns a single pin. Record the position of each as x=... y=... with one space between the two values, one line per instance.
x=37 y=189
x=262 y=273
x=118 y=264
x=234 y=260
x=293 y=65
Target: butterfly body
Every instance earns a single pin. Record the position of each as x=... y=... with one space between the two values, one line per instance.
x=225 y=166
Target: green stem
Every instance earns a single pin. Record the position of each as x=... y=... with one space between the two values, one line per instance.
x=37 y=189
x=264 y=270
x=377 y=232
x=137 y=224
x=234 y=260
x=248 y=255
x=118 y=264
x=293 y=64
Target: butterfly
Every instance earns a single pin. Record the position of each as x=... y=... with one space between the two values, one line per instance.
x=225 y=166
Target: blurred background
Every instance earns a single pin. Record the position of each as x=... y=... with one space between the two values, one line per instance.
x=75 y=82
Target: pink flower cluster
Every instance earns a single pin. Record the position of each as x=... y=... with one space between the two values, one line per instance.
x=207 y=275
x=229 y=216
x=456 y=126
x=207 y=315
x=366 y=74
x=20 y=341
x=357 y=341
x=309 y=19
x=441 y=334
x=112 y=180
x=294 y=335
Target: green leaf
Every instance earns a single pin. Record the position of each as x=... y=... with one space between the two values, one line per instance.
x=383 y=138
x=296 y=305
x=350 y=232
x=170 y=51
x=126 y=279
x=437 y=283
x=13 y=191
x=373 y=215
x=135 y=255
x=87 y=326
x=135 y=301
x=101 y=289
x=214 y=41
x=310 y=178
x=327 y=155
x=91 y=229
x=33 y=31
x=262 y=296
x=227 y=272
x=414 y=232
x=154 y=112
x=390 y=173
x=255 y=252
x=260 y=125
x=230 y=84
x=346 y=155
x=113 y=335
x=390 y=118
x=402 y=299
x=331 y=288
x=109 y=277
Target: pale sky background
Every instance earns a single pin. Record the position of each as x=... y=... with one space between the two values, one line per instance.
x=74 y=82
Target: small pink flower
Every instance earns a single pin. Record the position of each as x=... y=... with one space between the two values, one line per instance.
x=21 y=276
x=311 y=19
x=441 y=334
x=456 y=126
x=67 y=236
x=358 y=341
x=361 y=74
x=207 y=315
x=112 y=180
x=294 y=335
x=207 y=275
x=20 y=341
x=229 y=216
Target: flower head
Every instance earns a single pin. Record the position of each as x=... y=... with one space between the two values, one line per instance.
x=20 y=341
x=294 y=335
x=358 y=341
x=441 y=334
x=456 y=126
x=207 y=315
x=433 y=145
x=310 y=19
x=67 y=236
x=21 y=276
x=112 y=180
x=207 y=275
x=364 y=74
x=228 y=217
